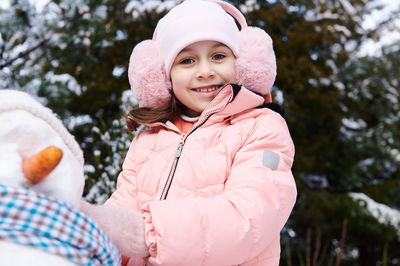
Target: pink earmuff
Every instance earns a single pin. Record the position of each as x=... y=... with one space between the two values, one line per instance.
x=255 y=64
x=147 y=76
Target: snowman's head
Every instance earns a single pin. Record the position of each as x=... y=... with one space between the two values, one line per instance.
x=26 y=129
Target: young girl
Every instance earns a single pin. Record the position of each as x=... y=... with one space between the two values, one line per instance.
x=209 y=181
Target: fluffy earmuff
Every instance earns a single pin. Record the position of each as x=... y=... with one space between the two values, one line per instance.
x=147 y=75
x=255 y=64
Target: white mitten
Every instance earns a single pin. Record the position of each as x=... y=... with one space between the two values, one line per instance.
x=123 y=226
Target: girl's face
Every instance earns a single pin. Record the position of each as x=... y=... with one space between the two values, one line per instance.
x=199 y=71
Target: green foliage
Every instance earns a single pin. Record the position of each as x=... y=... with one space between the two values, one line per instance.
x=342 y=108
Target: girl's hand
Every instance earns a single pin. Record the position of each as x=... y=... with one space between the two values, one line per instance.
x=123 y=226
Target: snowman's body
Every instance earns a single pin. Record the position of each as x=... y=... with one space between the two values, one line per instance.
x=26 y=127
x=15 y=255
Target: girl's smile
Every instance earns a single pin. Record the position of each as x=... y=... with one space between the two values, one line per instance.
x=199 y=71
x=210 y=88
x=207 y=91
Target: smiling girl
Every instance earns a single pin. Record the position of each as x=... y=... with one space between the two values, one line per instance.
x=199 y=71
x=209 y=181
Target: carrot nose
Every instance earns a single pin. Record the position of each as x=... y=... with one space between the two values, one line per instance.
x=40 y=165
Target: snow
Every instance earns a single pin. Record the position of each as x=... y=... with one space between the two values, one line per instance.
x=381 y=11
x=65 y=79
x=324 y=81
x=348 y=7
x=118 y=71
x=89 y=168
x=128 y=101
x=278 y=95
x=101 y=12
x=121 y=35
x=311 y=16
x=74 y=121
x=341 y=28
x=249 y=6
x=39 y=4
x=313 y=82
x=353 y=124
x=112 y=164
x=330 y=63
x=390 y=34
x=380 y=14
x=315 y=181
x=339 y=85
x=392 y=94
x=137 y=7
x=381 y=212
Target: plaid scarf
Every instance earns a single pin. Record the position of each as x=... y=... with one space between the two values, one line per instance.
x=39 y=221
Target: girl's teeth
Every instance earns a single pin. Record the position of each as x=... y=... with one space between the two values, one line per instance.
x=207 y=90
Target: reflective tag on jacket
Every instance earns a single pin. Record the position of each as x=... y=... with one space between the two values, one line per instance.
x=270 y=159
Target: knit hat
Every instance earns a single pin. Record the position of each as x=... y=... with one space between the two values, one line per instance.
x=194 y=21
x=190 y=22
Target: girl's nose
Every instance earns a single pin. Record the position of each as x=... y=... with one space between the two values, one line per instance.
x=204 y=71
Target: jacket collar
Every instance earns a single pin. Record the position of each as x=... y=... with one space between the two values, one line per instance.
x=241 y=99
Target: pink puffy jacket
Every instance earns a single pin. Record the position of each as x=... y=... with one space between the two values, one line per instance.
x=218 y=195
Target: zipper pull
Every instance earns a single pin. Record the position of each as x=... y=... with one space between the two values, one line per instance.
x=179 y=150
x=180 y=146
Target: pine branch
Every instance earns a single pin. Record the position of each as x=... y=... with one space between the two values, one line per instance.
x=25 y=53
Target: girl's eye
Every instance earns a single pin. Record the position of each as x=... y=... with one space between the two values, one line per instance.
x=218 y=57
x=187 y=61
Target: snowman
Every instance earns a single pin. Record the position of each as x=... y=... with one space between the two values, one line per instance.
x=41 y=185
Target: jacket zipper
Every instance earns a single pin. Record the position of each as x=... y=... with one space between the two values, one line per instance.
x=173 y=168
x=171 y=174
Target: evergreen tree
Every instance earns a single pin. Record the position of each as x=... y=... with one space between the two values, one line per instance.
x=342 y=108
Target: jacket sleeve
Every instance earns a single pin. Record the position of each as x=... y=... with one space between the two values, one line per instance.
x=238 y=224
x=125 y=194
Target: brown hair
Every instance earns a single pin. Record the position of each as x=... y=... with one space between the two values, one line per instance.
x=147 y=115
